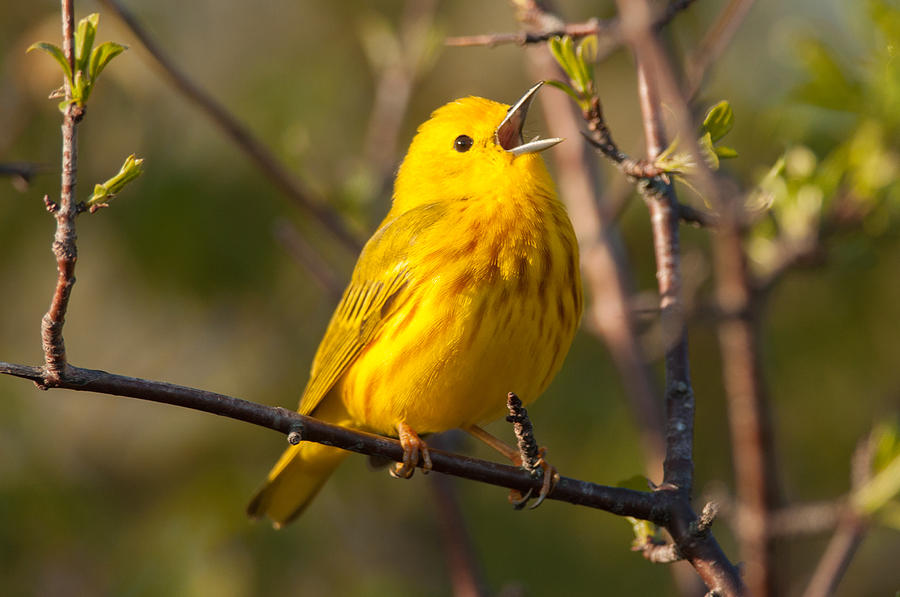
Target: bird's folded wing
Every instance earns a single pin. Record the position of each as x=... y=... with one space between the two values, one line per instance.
x=378 y=288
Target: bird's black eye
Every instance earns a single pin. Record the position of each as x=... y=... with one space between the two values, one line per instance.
x=463 y=143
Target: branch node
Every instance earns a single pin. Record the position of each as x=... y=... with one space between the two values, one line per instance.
x=701 y=526
x=296 y=435
x=51 y=205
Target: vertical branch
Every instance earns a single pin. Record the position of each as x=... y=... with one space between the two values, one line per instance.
x=463 y=568
x=64 y=247
x=748 y=414
x=662 y=204
x=752 y=440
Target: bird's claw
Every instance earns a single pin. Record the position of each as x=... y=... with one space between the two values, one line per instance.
x=550 y=478
x=413 y=447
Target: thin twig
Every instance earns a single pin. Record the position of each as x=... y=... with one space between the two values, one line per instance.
x=714 y=44
x=607 y=28
x=64 y=247
x=465 y=573
x=840 y=551
x=574 y=30
x=395 y=79
x=851 y=529
x=692 y=215
x=21 y=173
x=259 y=154
x=306 y=255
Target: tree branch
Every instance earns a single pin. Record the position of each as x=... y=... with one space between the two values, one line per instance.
x=653 y=73
x=605 y=28
x=64 y=247
x=655 y=506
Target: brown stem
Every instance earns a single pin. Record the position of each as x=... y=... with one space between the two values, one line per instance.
x=465 y=574
x=748 y=411
x=605 y=28
x=575 y=30
x=654 y=76
x=837 y=556
x=64 y=247
x=258 y=153
x=664 y=219
x=306 y=255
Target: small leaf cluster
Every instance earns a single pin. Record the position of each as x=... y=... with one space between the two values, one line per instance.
x=859 y=176
x=577 y=61
x=718 y=122
x=89 y=60
x=131 y=169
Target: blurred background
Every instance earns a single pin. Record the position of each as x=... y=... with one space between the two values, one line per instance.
x=187 y=279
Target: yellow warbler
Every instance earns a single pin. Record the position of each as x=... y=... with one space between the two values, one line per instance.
x=469 y=289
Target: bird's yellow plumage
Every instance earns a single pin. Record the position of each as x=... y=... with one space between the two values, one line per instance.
x=468 y=290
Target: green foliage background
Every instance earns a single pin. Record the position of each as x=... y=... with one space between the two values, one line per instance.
x=182 y=280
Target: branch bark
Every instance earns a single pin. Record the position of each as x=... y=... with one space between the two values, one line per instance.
x=657 y=506
x=64 y=247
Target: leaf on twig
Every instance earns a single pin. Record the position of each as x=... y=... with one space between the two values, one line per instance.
x=84 y=40
x=57 y=54
x=131 y=169
x=718 y=121
x=89 y=61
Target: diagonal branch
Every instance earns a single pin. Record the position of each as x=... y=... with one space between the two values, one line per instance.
x=258 y=153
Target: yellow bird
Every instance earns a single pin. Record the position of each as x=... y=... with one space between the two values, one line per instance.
x=468 y=290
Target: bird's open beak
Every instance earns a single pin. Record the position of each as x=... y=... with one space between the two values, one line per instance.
x=509 y=133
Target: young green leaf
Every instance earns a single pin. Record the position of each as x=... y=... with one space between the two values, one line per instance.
x=100 y=57
x=84 y=40
x=708 y=152
x=725 y=153
x=568 y=89
x=718 y=121
x=57 y=53
x=131 y=169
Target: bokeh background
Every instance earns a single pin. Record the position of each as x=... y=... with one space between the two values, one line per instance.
x=184 y=279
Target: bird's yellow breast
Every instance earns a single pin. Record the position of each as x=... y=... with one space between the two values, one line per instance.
x=493 y=301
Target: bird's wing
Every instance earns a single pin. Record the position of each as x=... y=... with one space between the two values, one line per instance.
x=379 y=286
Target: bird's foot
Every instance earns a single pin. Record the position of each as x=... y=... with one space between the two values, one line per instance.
x=413 y=446
x=550 y=478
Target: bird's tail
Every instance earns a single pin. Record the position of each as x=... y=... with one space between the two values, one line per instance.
x=294 y=481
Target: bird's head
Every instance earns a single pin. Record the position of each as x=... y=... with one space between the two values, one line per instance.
x=471 y=148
